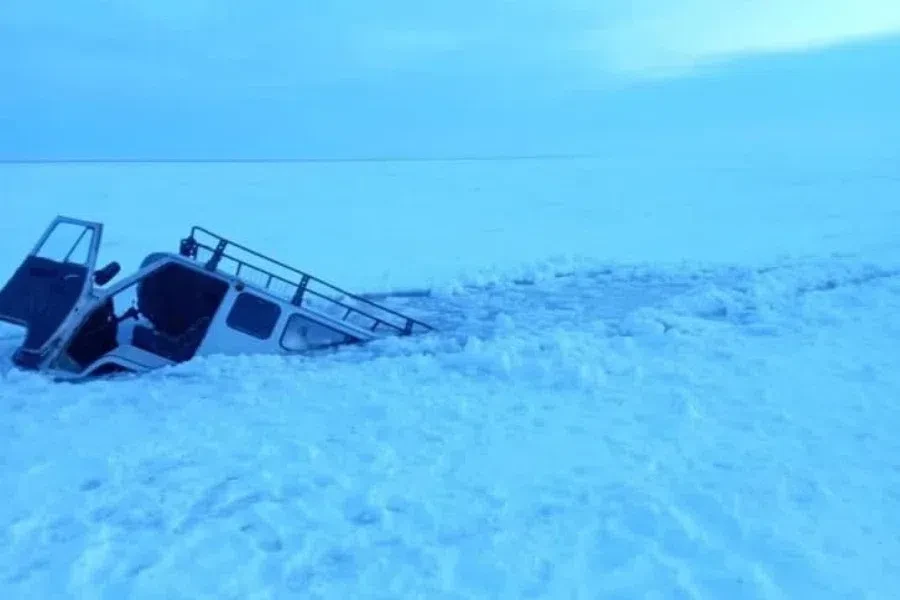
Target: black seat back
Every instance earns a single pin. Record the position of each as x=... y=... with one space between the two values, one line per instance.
x=175 y=297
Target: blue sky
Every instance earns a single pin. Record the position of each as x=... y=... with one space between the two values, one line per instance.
x=346 y=77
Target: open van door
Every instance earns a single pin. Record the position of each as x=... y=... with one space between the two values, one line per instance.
x=52 y=281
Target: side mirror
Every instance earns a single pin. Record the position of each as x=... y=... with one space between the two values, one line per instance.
x=107 y=273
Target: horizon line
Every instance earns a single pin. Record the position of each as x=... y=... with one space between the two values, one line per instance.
x=297 y=159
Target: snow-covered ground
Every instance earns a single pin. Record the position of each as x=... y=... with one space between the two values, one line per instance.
x=674 y=382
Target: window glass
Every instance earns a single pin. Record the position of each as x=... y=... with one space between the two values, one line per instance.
x=254 y=316
x=301 y=333
x=68 y=242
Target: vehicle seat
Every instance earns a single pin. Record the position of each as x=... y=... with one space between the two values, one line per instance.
x=174 y=298
x=179 y=303
x=178 y=349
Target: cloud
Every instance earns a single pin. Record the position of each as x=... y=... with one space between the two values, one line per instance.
x=81 y=73
x=664 y=38
x=147 y=43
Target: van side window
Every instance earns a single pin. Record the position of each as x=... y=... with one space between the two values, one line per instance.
x=301 y=333
x=254 y=316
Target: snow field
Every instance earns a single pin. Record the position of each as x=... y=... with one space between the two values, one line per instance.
x=718 y=426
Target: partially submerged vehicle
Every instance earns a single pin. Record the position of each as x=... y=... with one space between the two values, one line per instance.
x=211 y=297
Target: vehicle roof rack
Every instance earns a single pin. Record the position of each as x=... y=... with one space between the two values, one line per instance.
x=217 y=253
